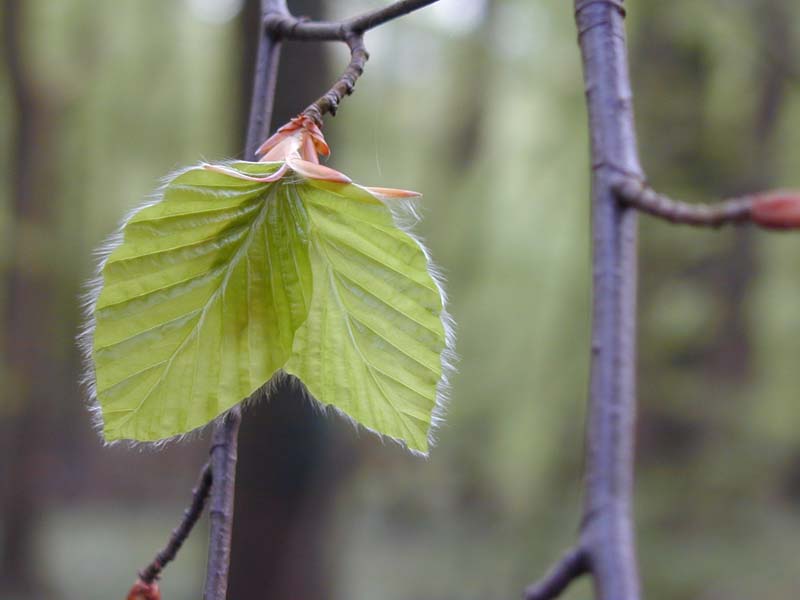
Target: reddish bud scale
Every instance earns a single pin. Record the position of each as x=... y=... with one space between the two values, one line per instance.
x=777 y=210
x=297 y=145
x=144 y=591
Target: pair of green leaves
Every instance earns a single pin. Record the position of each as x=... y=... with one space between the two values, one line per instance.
x=225 y=281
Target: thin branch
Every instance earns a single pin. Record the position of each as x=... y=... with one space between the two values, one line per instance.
x=190 y=516
x=571 y=566
x=374 y=18
x=283 y=25
x=264 y=83
x=635 y=193
x=329 y=102
x=223 y=467
x=771 y=210
x=280 y=24
x=607 y=532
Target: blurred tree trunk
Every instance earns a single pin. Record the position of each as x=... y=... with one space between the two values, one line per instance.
x=290 y=462
x=685 y=157
x=732 y=348
x=27 y=328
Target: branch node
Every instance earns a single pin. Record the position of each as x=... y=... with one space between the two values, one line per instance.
x=569 y=567
x=200 y=493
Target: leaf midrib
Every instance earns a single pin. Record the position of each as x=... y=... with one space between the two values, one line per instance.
x=257 y=222
x=402 y=415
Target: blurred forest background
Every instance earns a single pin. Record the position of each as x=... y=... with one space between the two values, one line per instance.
x=479 y=104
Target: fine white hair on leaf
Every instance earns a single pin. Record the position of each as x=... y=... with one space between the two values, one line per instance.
x=88 y=302
x=405 y=216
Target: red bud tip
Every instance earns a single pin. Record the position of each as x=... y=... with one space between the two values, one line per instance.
x=777 y=210
x=144 y=591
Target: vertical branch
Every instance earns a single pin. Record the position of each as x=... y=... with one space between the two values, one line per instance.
x=608 y=535
x=224 y=443
x=223 y=469
x=264 y=81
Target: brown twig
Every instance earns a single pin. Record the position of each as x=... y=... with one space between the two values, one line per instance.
x=329 y=102
x=279 y=24
x=635 y=193
x=190 y=516
x=771 y=210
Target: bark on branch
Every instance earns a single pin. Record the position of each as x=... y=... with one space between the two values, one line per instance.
x=643 y=198
x=344 y=86
x=223 y=469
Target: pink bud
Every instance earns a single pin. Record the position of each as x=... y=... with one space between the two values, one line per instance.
x=777 y=210
x=308 y=137
x=144 y=591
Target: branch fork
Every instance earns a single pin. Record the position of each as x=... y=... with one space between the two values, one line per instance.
x=283 y=26
x=280 y=25
x=571 y=566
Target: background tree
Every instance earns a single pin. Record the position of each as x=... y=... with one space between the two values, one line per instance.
x=719 y=478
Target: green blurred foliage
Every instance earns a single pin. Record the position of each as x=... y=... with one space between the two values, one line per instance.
x=479 y=105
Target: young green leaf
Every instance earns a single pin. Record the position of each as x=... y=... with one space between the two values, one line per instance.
x=241 y=270
x=200 y=303
x=373 y=341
